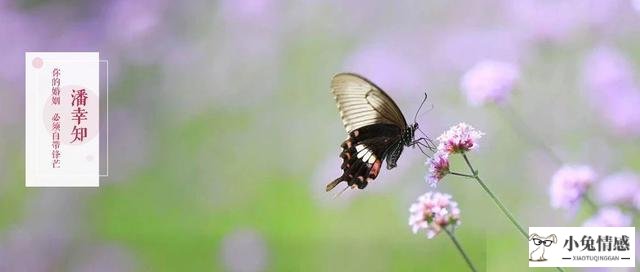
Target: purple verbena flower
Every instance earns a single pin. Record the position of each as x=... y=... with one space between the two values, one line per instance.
x=433 y=211
x=609 y=217
x=459 y=139
x=620 y=188
x=438 y=167
x=610 y=83
x=621 y=111
x=131 y=22
x=606 y=70
x=545 y=21
x=569 y=184
x=249 y=12
x=489 y=81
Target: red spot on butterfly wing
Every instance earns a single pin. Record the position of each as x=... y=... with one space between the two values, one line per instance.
x=375 y=169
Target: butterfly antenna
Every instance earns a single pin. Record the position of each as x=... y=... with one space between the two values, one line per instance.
x=340 y=193
x=415 y=117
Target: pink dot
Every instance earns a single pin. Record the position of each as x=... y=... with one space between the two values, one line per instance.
x=37 y=62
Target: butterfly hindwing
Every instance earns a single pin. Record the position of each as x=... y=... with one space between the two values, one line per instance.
x=363 y=152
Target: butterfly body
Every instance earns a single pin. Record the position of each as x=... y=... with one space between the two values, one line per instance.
x=377 y=130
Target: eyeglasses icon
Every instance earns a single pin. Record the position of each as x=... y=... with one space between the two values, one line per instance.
x=538 y=242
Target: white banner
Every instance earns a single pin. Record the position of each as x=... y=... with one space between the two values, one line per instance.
x=581 y=247
x=62 y=119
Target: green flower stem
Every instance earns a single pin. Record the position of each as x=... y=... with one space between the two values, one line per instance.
x=497 y=201
x=590 y=203
x=459 y=247
x=494 y=198
x=461 y=174
x=518 y=125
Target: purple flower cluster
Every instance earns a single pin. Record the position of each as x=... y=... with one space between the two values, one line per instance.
x=569 y=184
x=558 y=21
x=618 y=189
x=457 y=139
x=545 y=20
x=609 y=217
x=489 y=81
x=438 y=167
x=609 y=79
x=432 y=212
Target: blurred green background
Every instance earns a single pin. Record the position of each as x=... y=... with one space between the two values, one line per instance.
x=223 y=133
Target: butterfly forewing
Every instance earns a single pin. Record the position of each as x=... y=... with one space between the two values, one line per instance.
x=362 y=103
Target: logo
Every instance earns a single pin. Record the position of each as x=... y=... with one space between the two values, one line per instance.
x=537 y=255
x=582 y=247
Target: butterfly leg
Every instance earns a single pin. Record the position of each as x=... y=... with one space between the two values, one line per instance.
x=425 y=142
x=419 y=145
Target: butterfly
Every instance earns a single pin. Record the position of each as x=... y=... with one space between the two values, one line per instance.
x=377 y=130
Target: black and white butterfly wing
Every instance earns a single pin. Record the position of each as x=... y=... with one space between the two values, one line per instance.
x=362 y=103
x=375 y=125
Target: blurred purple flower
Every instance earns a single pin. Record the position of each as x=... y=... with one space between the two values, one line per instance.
x=244 y=251
x=438 y=167
x=25 y=34
x=559 y=21
x=606 y=70
x=129 y=22
x=622 y=112
x=245 y=42
x=459 y=139
x=609 y=217
x=47 y=231
x=73 y=28
x=24 y=248
x=456 y=49
x=104 y=258
x=136 y=30
x=432 y=212
x=619 y=188
x=489 y=81
x=254 y=13
x=393 y=70
x=569 y=184
x=636 y=200
x=250 y=29
x=599 y=13
x=545 y=20
x=609 y=79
